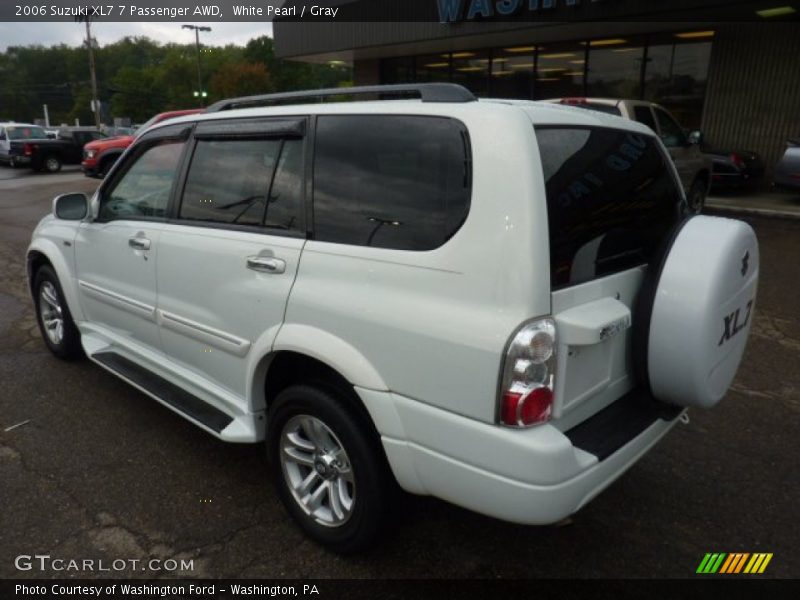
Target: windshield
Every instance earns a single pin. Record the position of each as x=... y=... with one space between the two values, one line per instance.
x=26 y=132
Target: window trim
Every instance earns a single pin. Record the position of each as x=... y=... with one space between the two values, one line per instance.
x=468 y=163
x=173 y=212
x=176 y=133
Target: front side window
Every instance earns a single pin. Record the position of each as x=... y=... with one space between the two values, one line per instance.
x=611 y=200
x=246 y=182
x=144 y=189
x=400 y=182
x=671 y=133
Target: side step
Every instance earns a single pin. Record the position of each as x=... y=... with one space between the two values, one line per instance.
x=178 y=398
x=617 y=424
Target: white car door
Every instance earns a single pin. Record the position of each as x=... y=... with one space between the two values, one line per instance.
x=228 y=258
x=116 y=252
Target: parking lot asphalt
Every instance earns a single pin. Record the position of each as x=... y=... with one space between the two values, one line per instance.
x=100 y=471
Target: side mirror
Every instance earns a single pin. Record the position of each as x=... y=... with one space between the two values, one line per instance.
x=71 y=207
x=696 y=137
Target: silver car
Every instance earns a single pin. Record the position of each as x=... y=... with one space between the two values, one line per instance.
x=787 y=171
x=694 y=167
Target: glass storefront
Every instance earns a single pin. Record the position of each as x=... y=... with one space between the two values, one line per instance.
x=670 y=69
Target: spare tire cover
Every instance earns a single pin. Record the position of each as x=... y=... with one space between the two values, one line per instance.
x=702 y=310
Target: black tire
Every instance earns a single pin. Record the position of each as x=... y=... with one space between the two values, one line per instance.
x=372 y=489
x=12 y=162
x=105 y=166
x=696 y=198
x=69 y=346
x=52 y=163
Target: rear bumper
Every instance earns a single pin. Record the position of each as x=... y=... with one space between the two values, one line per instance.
x=535 y=476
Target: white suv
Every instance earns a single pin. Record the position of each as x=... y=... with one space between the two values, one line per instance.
x=500 y=303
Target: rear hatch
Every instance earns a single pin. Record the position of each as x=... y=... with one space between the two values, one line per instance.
x=613 y=199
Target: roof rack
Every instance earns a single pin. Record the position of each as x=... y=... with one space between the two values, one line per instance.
x=428 y=92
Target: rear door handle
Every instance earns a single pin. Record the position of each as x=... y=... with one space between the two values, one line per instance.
x=139 y=243
x=266 y=264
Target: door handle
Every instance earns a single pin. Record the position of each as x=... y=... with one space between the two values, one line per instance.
x=266 y=264
x=139 y=243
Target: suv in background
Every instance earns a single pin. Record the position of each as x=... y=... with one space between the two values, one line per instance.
x=504 y=304
x=100 y=156
x=694 y=167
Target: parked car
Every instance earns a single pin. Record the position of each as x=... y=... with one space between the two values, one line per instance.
x=787 y=171
x=10 y=133
x=502 y=304
x=733 y=169
x=50 y=154
x=693 y=166
x=100 y=156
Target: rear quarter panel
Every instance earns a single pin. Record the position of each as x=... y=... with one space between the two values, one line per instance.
x=434 y=324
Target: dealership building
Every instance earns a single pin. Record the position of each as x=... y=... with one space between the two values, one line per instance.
x=729 y=68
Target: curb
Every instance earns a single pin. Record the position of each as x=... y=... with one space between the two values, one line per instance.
x=760 y=212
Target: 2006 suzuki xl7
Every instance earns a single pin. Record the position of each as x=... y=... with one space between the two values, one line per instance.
x=504 y=304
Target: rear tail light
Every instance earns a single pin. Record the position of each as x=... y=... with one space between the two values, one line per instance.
x=27 y=149
x=526 y=384
x=737 y=161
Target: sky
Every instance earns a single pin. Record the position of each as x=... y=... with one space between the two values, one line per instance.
x=72 y=34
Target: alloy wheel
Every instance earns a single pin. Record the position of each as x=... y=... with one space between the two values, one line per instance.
x=317 y=470
x=52 y=313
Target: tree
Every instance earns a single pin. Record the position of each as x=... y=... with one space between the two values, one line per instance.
x=243 y=79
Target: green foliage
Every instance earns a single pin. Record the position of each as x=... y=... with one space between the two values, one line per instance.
x=138 y=78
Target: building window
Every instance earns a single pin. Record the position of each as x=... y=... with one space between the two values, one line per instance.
x=471 y=69
x=432 y=67
x=397 y=70
x=560 y=71
x=671 y=69
x=676 y=74
x=615 y=68
x=512 y=72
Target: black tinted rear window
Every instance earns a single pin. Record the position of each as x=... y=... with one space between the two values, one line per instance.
x=611 y=199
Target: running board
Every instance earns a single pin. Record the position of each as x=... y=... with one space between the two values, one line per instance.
x=617 y=424
x=178 y=398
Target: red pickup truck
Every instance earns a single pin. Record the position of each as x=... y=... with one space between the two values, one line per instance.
x=99 y=156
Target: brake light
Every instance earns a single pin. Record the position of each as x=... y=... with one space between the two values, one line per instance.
x=737 y=161
x=574 y=101
x=27 y=149
x=527 y=379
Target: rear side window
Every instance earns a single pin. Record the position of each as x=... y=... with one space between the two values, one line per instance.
x=400 y=182
x=611 y=200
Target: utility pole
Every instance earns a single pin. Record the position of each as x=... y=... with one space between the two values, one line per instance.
x=199 y=93
x=95 y=102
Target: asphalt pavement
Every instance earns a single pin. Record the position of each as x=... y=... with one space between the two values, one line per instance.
x=96 y=470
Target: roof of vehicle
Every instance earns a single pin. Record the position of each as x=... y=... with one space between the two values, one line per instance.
x=540 y=113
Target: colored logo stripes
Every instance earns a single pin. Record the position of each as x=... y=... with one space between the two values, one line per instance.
x=735 y=562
